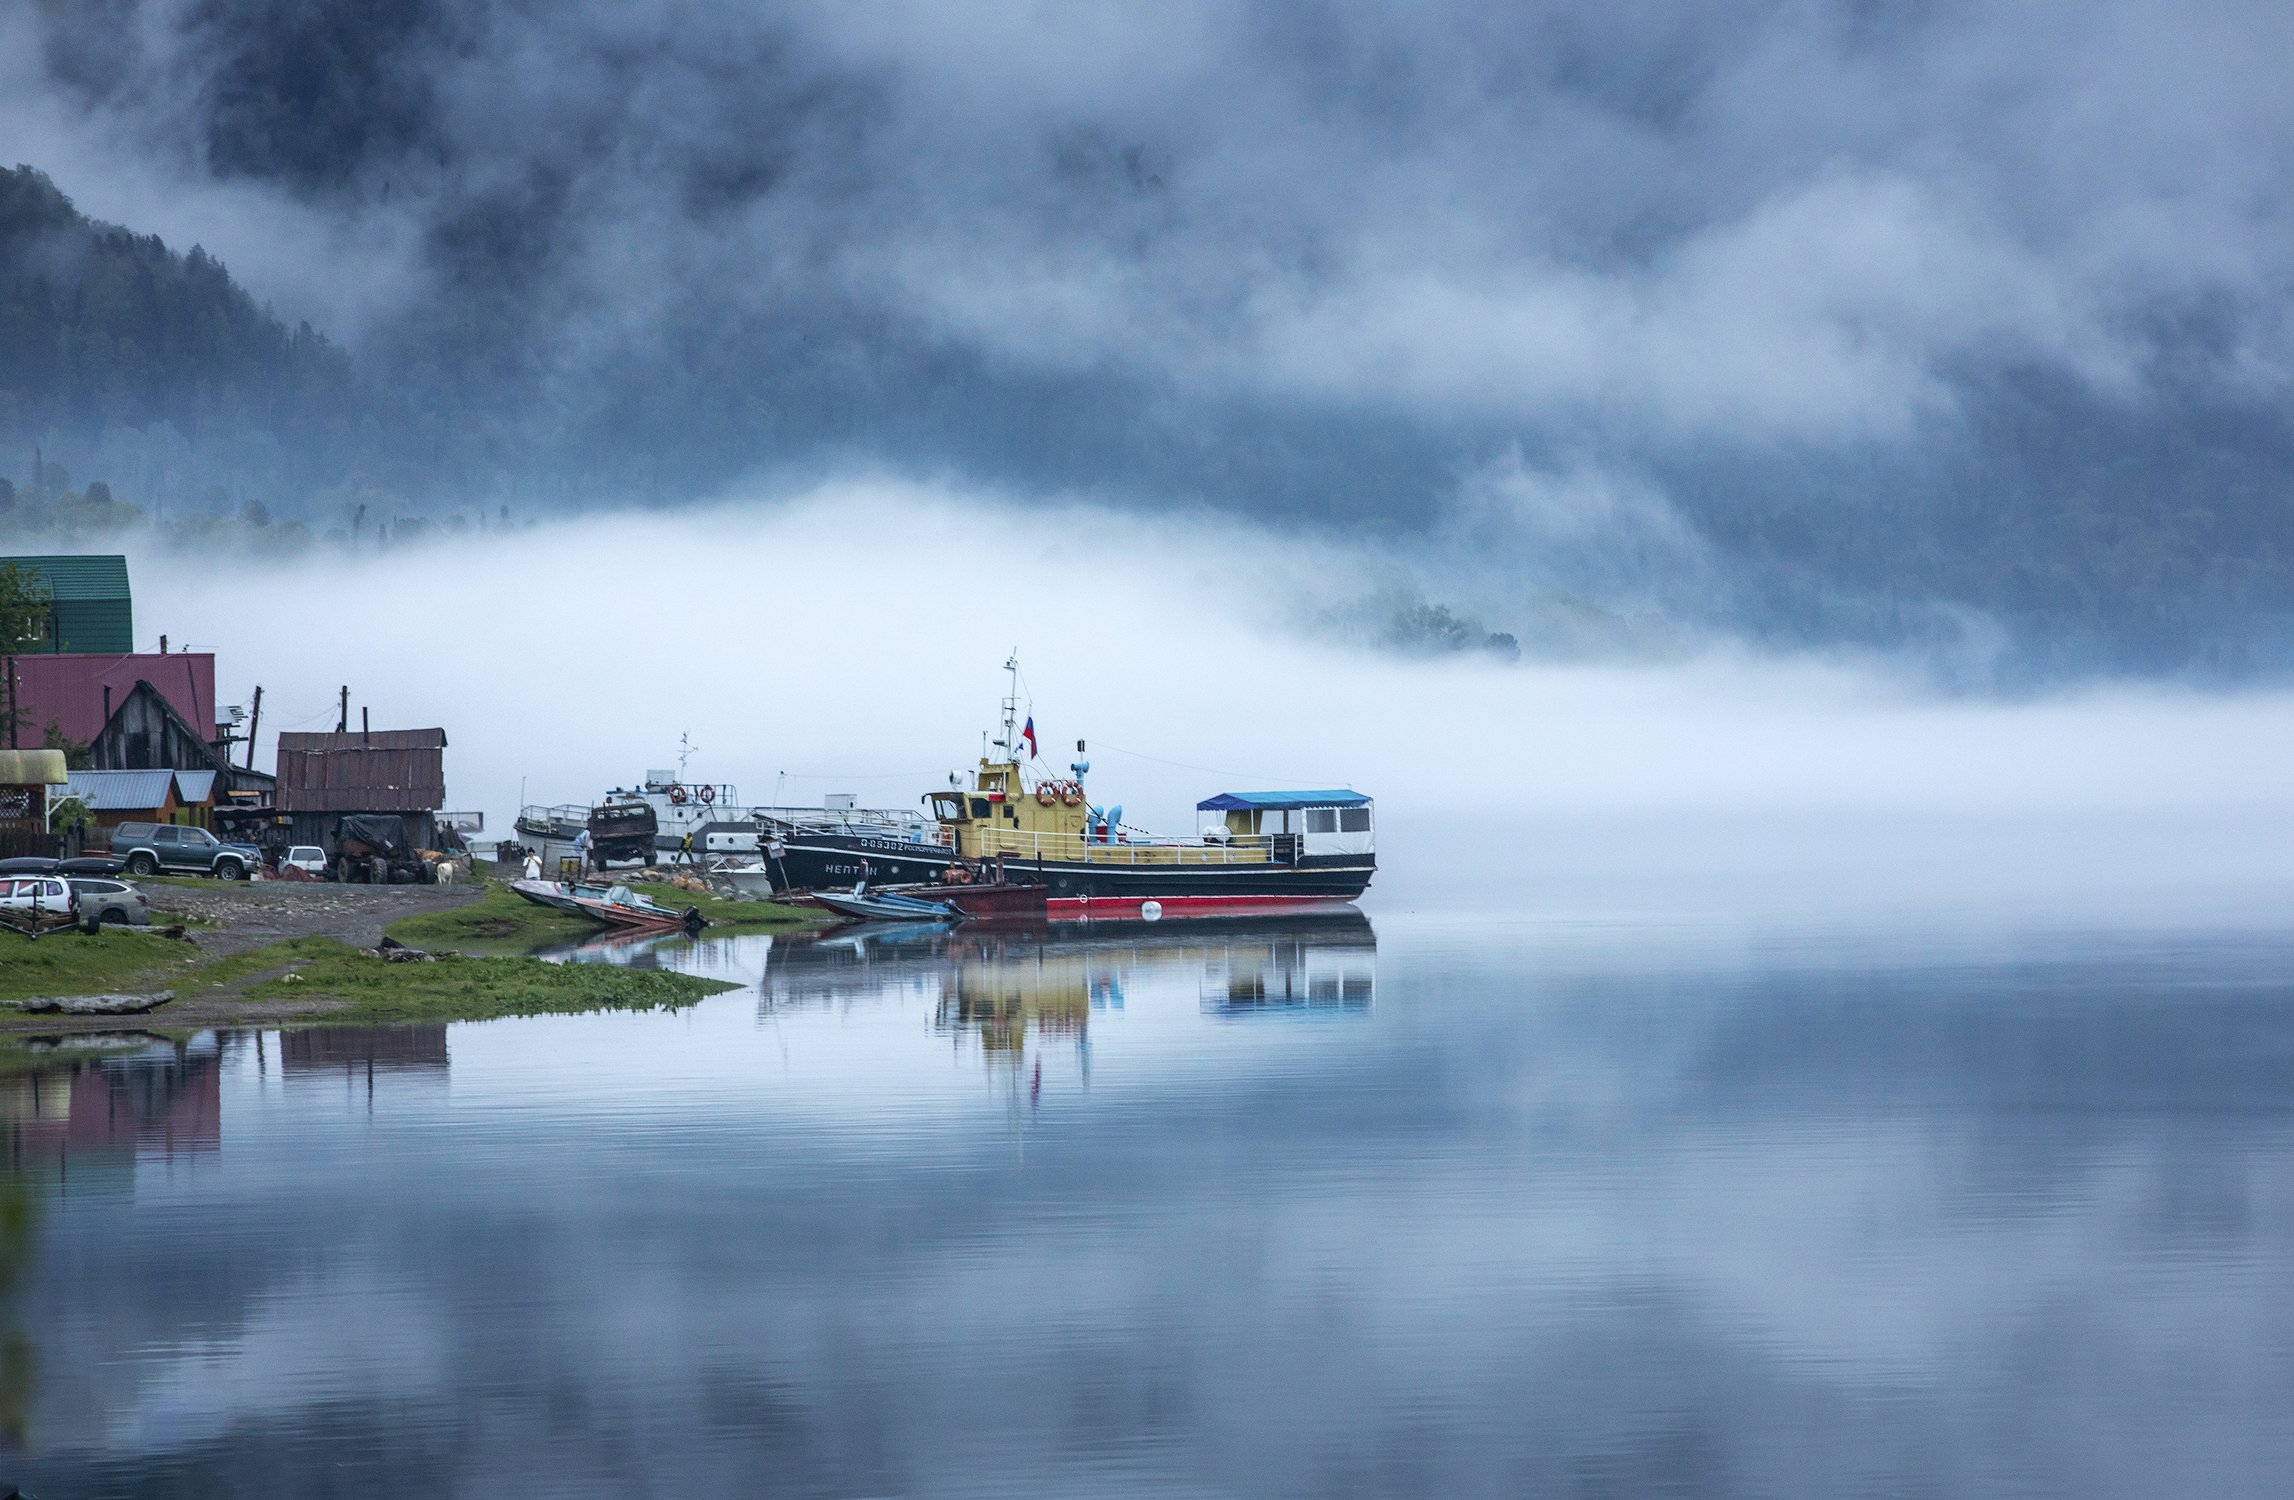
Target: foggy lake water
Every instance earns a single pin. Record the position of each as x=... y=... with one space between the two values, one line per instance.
x=1385 y=1205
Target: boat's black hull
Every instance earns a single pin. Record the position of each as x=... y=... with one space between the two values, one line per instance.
x=814 y=862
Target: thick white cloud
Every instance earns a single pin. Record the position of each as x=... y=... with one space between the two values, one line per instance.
x=1793 y=225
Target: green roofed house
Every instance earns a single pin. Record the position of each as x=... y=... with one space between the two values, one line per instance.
x=93 y=610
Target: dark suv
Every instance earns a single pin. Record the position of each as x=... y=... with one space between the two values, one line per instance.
x=153 y=848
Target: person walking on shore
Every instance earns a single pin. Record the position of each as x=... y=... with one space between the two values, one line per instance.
x=533 y=864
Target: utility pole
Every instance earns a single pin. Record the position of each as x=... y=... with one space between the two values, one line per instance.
x=254 y=726
x=342 y=716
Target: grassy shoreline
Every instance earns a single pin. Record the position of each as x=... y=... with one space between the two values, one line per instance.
x=501 y=922
x=481 y=968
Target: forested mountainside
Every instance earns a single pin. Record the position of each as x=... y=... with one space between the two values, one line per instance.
x=115 y=347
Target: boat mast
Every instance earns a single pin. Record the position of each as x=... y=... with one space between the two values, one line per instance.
x=1011 y=706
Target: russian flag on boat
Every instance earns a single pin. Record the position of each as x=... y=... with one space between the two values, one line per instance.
x=1028 y=734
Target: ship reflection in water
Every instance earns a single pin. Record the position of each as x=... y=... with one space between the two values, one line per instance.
x=1004 y=985
x=1466 y=1208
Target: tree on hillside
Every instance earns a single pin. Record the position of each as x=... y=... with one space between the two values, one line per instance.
x=24 y=604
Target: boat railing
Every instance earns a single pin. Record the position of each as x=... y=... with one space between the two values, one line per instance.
x=907 y=827
x=576 y=813
x=1129 y=848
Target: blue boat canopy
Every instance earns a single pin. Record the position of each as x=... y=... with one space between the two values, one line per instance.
x=1272 y=801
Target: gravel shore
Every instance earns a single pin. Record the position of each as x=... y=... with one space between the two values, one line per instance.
x=249 y=914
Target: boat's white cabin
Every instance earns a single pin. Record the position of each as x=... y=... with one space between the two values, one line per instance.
x=1325 y=822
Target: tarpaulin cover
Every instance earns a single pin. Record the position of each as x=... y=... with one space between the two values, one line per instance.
x=386 y=835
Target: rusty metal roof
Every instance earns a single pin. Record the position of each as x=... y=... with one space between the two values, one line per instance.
x=386 y=770
x=376 y=739
x=72 y=689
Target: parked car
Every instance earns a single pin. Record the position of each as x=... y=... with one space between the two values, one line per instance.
x=37 y=901
x=151 y=848
x=78 y=864
x=308 y=858
x=113 y=901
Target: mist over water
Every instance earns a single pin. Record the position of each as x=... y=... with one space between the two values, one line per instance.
x=1820 y=1023
x=852 y=640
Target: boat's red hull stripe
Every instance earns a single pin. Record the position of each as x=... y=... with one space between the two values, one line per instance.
x=1128 y=908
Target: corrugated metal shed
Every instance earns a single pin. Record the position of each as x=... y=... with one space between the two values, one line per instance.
x=194 y=786
x=387 y=770
x=32 y=768
x=123 y=791
x=94 y=609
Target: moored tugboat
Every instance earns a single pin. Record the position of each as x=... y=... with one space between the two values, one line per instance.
x=1269 y=852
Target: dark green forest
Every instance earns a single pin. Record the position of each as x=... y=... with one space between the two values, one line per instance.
x=114 y=345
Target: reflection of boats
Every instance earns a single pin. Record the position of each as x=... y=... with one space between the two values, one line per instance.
x=1269 y=853
x=883 y=906
x=623 y=947
x=1001 y=984
x=1289 y=974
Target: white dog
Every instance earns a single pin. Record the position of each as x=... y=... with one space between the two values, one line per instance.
x=445 y=872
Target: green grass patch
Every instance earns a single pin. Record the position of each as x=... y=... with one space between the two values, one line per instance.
x=500 y=921
x=721 y=912
x=449 y=988
x=74 y=963
x=457 y=988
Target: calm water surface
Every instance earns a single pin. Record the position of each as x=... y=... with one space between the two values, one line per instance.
x=1435 y=1208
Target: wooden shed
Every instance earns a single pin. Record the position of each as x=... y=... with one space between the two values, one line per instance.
x=323 y=777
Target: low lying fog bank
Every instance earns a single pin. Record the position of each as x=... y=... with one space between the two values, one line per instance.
x=855 y=642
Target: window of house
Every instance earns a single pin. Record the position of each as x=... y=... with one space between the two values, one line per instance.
x=1354 y=820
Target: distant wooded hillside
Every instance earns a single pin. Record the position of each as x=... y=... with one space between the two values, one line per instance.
x=155 y=366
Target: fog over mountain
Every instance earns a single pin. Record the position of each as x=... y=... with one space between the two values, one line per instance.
x=1949 y=331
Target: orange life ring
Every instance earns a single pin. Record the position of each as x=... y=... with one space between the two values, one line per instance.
x=1046 y=793
x=677 y=795
x=1071 y=793
x=708 y=794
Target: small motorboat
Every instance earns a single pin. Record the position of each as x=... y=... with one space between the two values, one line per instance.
x=863 y=905
x=547 y=893
x=619 y=906
x=608 y=905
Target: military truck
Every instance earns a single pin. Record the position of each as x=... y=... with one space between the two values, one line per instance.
x=620 y=832
x=373 y=849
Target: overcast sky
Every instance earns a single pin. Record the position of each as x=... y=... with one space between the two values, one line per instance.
x=1547 y=281
x=1770 y=221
